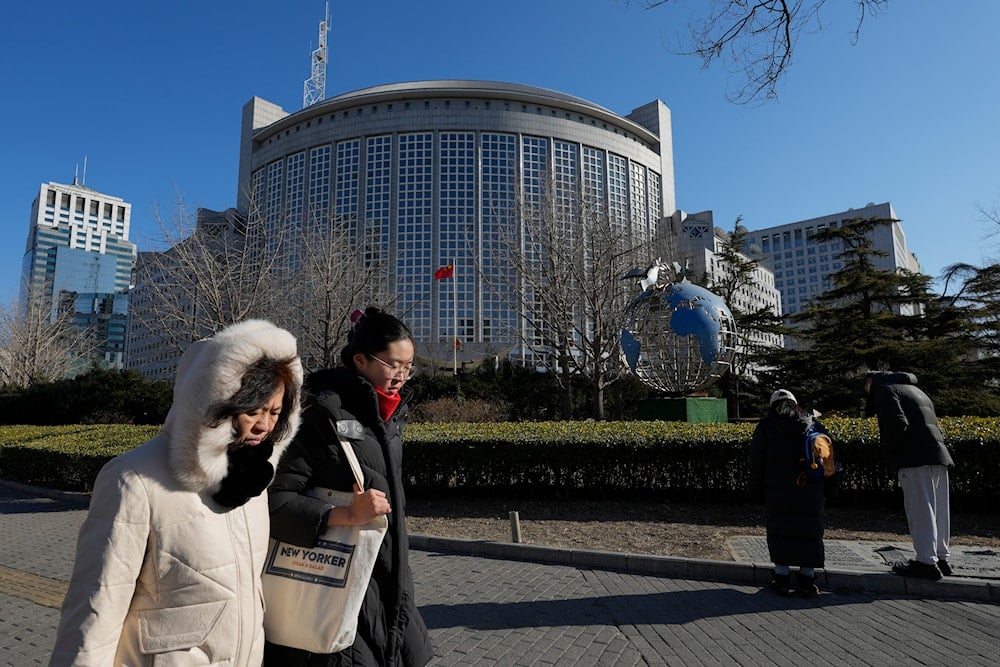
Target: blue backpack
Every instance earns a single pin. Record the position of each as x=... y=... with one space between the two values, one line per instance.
x=818 y=462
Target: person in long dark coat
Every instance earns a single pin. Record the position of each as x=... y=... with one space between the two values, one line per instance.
x=368 y=390
x=793 y=503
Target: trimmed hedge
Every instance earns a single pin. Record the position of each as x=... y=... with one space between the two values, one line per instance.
x=665 y=460
x=671 y=460
x=65 y=457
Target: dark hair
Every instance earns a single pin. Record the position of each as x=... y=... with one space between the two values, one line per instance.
x=786 y=408
x=372 y=333
x=259 y=382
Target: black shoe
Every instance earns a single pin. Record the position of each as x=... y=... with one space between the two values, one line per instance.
x=914 y=568
x=780 y=584
x=807 y=587
x=944 y=567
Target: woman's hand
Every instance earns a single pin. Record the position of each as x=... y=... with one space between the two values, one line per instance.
x=368 y=505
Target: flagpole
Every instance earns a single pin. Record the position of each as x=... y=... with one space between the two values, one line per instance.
x=454 y=306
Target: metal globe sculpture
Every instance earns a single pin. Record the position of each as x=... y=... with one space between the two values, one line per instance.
x=677 y=338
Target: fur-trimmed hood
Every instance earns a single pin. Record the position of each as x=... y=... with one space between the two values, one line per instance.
x=210 y=371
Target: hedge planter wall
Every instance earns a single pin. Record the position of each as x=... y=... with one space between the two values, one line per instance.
x=649 y=460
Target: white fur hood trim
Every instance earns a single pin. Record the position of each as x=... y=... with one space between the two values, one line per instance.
x=211 y=370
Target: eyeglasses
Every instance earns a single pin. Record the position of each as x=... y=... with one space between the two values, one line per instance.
x=404 y=372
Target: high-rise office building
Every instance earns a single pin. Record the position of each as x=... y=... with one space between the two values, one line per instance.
x=78 y=260
x=803 y=266
x=429 y=173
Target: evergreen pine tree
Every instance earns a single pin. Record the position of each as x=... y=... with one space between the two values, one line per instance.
x=874 y=319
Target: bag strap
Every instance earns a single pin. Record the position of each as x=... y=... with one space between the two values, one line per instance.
x=352 y=458
x=802 y=479
x=807 y=440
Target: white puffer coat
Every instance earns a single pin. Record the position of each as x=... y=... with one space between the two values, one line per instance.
x=165 y=575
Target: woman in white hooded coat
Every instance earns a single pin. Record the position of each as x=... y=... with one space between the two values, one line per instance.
x=169 y=557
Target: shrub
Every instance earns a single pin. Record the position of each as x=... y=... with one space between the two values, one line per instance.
x=458 y=410
x=658 y=460
x=97 y=396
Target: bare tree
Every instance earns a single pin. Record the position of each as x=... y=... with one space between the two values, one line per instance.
x=39 y=342
x=757 y=38
x=333 y=275
x=567 y=257
x=215 y=270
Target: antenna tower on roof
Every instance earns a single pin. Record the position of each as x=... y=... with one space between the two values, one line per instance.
x=314 y=88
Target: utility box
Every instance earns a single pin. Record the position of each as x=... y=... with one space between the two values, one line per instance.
x=686 y=409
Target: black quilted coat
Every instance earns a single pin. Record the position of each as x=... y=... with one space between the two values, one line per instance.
x=391 y=631
x=908 y=427
x=793 y=512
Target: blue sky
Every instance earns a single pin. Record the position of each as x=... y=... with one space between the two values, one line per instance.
x=150 y=93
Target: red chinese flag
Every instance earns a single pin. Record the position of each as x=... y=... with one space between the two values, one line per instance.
x=444 y=272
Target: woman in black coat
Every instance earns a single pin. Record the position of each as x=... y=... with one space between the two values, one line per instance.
x=366 y=393
x=793 y=503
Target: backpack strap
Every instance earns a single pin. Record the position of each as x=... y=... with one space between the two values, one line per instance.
x=808 y=459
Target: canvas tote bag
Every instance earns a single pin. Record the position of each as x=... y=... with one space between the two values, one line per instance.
x=313 y=595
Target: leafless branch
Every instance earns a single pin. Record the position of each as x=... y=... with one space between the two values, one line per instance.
x=333 y=276
x=39 y=340
x=567 y=258
x=757 y=38
x=218 y=268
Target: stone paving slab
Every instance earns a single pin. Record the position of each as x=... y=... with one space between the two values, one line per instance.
x=494 y=611
x=966 y=561
x=576 y=609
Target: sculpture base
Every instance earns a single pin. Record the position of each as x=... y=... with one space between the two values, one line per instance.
x=687 y=409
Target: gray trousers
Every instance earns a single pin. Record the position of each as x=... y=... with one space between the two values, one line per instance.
x=925 y=498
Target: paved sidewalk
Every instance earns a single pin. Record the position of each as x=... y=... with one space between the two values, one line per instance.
x=497 y=604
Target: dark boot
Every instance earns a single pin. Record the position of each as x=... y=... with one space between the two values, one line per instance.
x=781 y=584
x=807 y=586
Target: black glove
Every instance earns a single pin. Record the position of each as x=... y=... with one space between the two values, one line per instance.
x=248 y=474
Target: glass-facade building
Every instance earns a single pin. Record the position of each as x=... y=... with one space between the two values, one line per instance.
x=79 y=260
x=803 y=266
x=432 y=173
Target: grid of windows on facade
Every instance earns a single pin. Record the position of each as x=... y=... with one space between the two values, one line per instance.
x=534 y=167
x=295 y=181
x=91 y=219
x=347 y=185
x=375 y=230
x=415 y=236
x=147 y=351
x=802 y=265
x=499 y=168
x=792 y=244
x=420 y=200
x=319 y=190
x=457 y=215
x=618 y=190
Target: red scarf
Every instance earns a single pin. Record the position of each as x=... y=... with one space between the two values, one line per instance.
x=387 y=403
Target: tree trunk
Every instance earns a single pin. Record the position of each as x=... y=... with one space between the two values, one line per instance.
x=567 y=397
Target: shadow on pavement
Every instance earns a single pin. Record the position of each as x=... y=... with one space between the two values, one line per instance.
x=676 y=608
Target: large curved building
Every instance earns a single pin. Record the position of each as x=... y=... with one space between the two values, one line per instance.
x=431 y=169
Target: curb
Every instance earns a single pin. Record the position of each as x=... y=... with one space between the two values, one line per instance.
x=752 y=574
x=75 y=497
